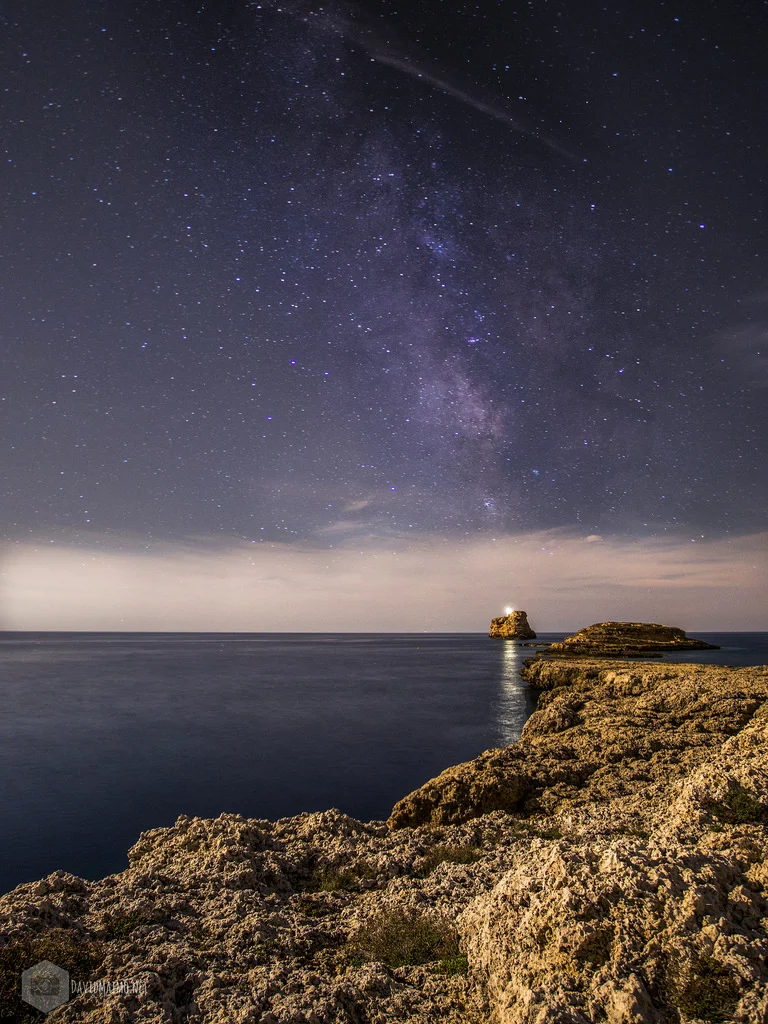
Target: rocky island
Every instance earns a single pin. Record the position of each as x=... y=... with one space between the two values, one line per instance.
x=611 y=866
x=627 y=639
x=512 y=626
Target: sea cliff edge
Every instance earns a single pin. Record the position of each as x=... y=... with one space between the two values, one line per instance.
x=612 y=865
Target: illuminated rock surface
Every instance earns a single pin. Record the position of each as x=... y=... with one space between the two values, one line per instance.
x=513 y=626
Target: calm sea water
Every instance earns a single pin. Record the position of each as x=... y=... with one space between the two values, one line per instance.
x=105 y=735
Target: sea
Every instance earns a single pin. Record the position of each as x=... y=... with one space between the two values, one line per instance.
x=106 y=735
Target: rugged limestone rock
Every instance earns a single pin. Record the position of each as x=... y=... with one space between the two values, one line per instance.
x=624 y=880
x=238 y=921
x=662 y=916
x=627 y=639
x=602 y=730
x=512 y=627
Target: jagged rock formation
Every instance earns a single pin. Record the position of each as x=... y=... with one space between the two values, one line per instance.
x=623 y=879
x=512 y=627
x=627 y=639
x=601 y=729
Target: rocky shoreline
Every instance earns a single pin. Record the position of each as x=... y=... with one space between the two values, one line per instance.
x=610 y=866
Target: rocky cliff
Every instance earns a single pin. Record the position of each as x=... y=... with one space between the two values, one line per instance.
x=627 y=639
x=513 y=626
x=611 y=866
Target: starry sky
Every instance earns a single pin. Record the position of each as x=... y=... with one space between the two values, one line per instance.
x=397 y=313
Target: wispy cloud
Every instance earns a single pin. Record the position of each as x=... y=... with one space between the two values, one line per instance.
x=564 y=580
x=745 y=345
x=357 y=506
x=341 y=526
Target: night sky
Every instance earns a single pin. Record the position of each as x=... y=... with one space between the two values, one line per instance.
x=401 y=313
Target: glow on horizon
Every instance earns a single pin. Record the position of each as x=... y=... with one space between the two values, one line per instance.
x=409 y=585
x=509 y=611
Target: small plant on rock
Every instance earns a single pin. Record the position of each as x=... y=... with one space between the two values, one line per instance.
x=67 y=949
x=738 y=807
x=406 y=938
x=705 y=990
x=450 y=854
x=330 y=879
x=553 y=832
x=452 y=965
x=121 y=925
x=266 y=949
x=596 y=948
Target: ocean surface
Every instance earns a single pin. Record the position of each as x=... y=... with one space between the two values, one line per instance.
x=103 y=736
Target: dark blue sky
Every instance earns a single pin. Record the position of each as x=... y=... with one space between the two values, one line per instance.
x=283 y=273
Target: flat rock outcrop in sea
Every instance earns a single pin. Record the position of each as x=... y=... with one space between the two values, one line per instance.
x=512 y=626
x=611 y=866
x=627 y=639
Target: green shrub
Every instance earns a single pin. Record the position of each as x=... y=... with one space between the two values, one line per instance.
x=596 y=948
x=340 y=879
x=706 y=990
x=554 y=832
x=314 y=908
x=123 y=924
x=451 y=854
x=349 y=958
x=268 y=948
x=451 y=965
x=79 y=956
x=331 y=880
x=406 y=938
x=738 y=807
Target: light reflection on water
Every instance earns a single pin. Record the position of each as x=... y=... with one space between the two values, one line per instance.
x=516 y=699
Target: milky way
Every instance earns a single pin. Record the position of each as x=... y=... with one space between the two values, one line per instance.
x=300 y=274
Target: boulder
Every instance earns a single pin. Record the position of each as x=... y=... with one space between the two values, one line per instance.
x=512 y=627
x=463 y=791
